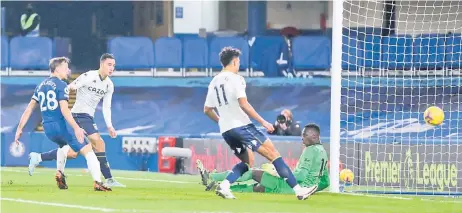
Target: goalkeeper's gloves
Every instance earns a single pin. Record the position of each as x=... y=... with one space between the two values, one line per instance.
x=269 y=168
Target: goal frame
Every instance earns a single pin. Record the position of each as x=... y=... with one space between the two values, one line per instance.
x=336 y=89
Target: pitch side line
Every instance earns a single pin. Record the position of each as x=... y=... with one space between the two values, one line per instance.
x=118 y=177
x=106 y=209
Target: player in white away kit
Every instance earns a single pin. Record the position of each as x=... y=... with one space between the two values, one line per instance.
x=226 y=94
x=91 y=87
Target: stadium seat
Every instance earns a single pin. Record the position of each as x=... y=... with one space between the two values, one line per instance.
x=218 y=43
x=311 y=53
x=132 y=52
x=429 y=51
x=4 y=60
x=372 y=52
x=168 y=53
x=30 y=53
x=262 y=49
x=397 y=52
x=352 y=54
x=195 y=53
x=453 y=51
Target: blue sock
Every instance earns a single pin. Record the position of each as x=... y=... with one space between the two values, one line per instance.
x=237 y=171
x=104 y=165
x=50 y=155
x=284 y=171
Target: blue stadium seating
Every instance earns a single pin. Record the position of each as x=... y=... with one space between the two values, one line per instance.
x=218 y=43
x=352 y=53
x=168 y=53
x=429 y=51
x=260 y=50
x=311 y=52
x=195 y=53
x=453 y=51
x=30 y=53
x=372 y=51
x=4 y=60
x=132 y=52
x=397 y=52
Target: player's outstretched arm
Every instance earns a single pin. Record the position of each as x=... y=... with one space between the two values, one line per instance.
x=245 y=105
x=24 y=118
x=107 y=113
x=209 y=111
x=79 y=133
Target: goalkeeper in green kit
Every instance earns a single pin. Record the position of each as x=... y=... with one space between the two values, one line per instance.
x=311 y=170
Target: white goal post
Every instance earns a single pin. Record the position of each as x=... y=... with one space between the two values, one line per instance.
x=391 y=60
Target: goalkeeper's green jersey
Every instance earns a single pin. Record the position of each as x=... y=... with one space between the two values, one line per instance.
x=311 y=167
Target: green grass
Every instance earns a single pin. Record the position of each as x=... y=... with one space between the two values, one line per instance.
x=154 y=192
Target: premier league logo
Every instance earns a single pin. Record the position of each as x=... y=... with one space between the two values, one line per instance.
x=17 y=149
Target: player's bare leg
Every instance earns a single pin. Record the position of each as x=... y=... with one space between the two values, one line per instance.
x=268 y=151
x=93 y=167
x=100 y=151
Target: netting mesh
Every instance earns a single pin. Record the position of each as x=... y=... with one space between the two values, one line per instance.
x=392 y=72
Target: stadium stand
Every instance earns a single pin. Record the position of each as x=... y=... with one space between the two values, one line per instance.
x=134 y=55
x=168 y=53
x=4 y=63
x=261 y=56
x=30 y=55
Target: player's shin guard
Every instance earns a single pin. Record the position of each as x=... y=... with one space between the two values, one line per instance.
x=284 y=171
x=93 y=166
x=237 y=171
x=50 y=155
x=104 y=165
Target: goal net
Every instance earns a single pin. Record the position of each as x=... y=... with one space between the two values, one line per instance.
x=399 y=58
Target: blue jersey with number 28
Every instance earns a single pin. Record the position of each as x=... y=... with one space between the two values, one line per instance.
x=48 y=94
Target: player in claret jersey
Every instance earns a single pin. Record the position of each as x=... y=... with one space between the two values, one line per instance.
x=226 y=94
x=91 y=87
x=52 y=96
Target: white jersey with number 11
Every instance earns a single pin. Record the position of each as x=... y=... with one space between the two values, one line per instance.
x=223 y=93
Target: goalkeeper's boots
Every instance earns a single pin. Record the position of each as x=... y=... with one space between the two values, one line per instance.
x=203 y=172
x=305 y=192
x=61 y=180
x=100 y=186
x=224 y=193
x=34 y=161
x=113 y=183
x=211 y=186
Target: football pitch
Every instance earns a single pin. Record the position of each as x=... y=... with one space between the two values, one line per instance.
x=154 y=192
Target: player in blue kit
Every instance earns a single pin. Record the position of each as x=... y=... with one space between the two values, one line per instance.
x=52 y=96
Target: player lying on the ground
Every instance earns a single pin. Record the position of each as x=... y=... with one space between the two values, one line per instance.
x=91 y=87
x=226 y=94
x=311 y=170
x=52 y=97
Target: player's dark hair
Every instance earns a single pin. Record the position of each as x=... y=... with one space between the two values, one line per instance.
x=312 y=127
x=227 y=54
x=106 y=56
x=55 y=62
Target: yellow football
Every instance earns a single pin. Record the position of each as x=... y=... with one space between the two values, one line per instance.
x=346 y=176
x=434 y=115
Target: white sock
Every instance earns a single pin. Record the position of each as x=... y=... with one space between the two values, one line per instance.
x=225 y=184
x=61 y=157
x=39 y=157
x=93 y=166
x=297 y=189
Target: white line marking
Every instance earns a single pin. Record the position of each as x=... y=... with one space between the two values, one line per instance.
x=59 y=205
x=378 y=196
x=106 y=209
x=122 y=178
